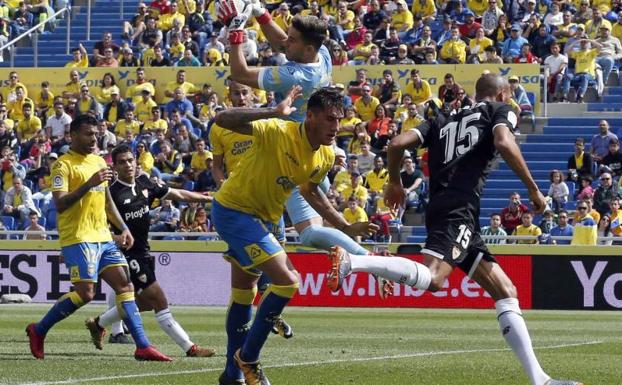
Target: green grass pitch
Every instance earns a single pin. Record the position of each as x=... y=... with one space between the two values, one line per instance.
x=330 y=347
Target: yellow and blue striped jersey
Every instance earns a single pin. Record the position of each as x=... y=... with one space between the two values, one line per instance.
x=585 y=232
x=280 y=159
x=85 y=220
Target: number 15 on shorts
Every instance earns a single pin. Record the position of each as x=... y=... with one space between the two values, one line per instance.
x=464 y=237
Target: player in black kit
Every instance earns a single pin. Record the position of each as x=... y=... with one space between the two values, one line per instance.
x=462 y=147
x=133 y=195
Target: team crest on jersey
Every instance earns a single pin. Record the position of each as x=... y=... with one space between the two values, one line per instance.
x=145 y=193
x=90 y=269
x=142 y=278
x=57 y=182
x=455 y=252
x=285 y=182
x=291 y=70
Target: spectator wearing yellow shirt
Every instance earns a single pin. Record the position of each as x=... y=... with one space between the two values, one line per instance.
x=366 y=105
x=418 y=89
x=80 y=58
x=28 y=126
x=44 y=99
x=187 y=7
x=343 y=178
x=17 y=105
x=346 y=127
x=72 y=89
x=356 y=189
x=477 y=47
x=144 y=107
x=592 y=27
x=585 y=228
x=354 y=213
x=344 y=18
x=585 y=67
x=478 y=7
x=426 y=9
x=8 y=92
x=4 y=117
x=199 y=157
x=527 y=228
x=283 y=17
x=189 y=89
x=129 y=124
x=134 y=92
x=103 y=94
x=454 y=49
x=413 y=120
x=376 y=179
x=145 y=159
x=165 y=21
x=155 y=122
x=176 y=48
x=362 y=51
x=402 y=20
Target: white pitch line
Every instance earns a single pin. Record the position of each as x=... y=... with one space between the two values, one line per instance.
x=306 y=363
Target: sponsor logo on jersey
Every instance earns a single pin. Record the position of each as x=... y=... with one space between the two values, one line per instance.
x=315 y=171
x=127 y=201
x=240 y=148
x=137 y=214
x=291 y=158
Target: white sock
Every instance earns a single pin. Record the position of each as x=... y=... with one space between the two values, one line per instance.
x=112 y=317
x=397 y=269
x=173 y=329
x=516 y=335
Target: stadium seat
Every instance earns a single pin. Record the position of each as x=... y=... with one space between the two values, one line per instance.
x=8 y=222
x=530 y=114
x=208 y=238
x=188 y=185
x=173 y=238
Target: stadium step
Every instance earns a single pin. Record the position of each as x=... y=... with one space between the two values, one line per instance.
x=581 y=130
x=515 y=183
x=539 y=165
x=528 y=155
x=586 y=122
x=501 y=174
x=613 y=90
x=556 y=138
x=604 y=107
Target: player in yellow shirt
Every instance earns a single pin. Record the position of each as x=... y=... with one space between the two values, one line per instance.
x=229 y=147
x=84 y=204
x=284 y=155
x=199 y=157
x=28 y=126
x=527 y=228
x=585 y=67
x=80 y=58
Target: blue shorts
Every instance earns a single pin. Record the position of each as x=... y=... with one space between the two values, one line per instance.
x=85 y=261
x=250 y=239
x=298 y=208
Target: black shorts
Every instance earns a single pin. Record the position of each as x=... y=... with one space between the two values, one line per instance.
x=142 y=271
x=453 y=229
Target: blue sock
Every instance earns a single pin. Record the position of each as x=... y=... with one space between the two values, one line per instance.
x=239 y=317
x=272 y=303
x=326 y=237
x=63 y=308
x=263 y=283
x=131 y=316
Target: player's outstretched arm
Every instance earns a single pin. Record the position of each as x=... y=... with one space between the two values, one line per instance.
x=240 y=71
x=126 y=240
x=316 y=198
x=394 y=194
x=505 y=143
x=187 y=196
x=239 y=119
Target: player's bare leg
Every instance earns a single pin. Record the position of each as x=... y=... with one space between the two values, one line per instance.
x=491 y=277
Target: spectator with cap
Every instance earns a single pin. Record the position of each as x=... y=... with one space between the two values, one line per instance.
x=610 y=52
x=214 y=43
x=115 y=110
x=612 y=162
x=519 y=94
x=402 y=56
x=128 y=59
x=470 y=26
x=453 y=50
x=512 y=46
x=585 y=67
x=599 y=146
x=347 y=100
x=604 y=193
x=579 y=34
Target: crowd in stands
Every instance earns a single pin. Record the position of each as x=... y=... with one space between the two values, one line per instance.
x=18 y=16
x=171 y=137
x=596 y=209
